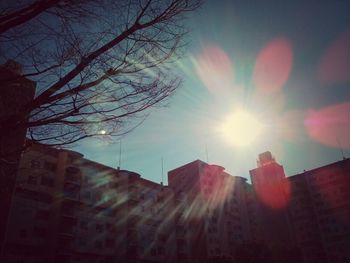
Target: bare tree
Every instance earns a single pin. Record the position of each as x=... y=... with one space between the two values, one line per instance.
x=98 y=64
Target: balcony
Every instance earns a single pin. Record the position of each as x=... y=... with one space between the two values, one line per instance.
x=64 y=247
x=71 y=192
x=67 y=210
x=73 y=175
x=67 y=232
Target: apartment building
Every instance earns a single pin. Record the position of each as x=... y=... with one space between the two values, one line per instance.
x=66 y=208
x=308 y=212
x=70 y=209
x=320 y=210
x=272 y=197
x=211 y=211
x=150 y=224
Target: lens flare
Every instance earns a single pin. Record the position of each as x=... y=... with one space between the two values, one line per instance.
x=330 y=125
x=275 y=194
x=215 y=69
x=241 y=128
x=335 y=64
x=273 y=66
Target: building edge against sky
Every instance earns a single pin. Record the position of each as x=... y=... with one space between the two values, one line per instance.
x=75 y=209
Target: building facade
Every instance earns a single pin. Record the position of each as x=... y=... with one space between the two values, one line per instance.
x=211 y=211
x=66 y=208
x=320 y=210
x=70 y=209
x=308 y=212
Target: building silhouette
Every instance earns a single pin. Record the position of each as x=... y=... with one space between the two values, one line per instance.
x=309 y=213
x=211 y=211
x=320 y=211
x=15 y=92
x=271 y=190
x=70 y=209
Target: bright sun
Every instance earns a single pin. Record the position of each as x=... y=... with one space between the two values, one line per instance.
x=241 y=128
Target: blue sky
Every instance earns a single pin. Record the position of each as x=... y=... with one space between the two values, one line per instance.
x=306 y=113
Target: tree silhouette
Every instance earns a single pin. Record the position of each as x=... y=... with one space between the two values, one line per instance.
x=98 y=65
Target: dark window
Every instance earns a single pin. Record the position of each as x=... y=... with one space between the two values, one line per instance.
x=23 y=233
x=161 y=250
x=73 y=174
x=32 y=179
x=35 y=164
x=109 y=243
x=99 y=228
x=39 y=232
x=49 y=166
x=42 y=214
x=98 y=244
x=71 y=190
x=82 y=241
x=109 y=227
x=86 y=179
x=84 y=225
x=87 y=195
x=47 y=181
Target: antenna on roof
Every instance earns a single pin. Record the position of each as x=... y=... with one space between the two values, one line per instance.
x=340 y=147
x=120 y=154
x=206 y=152
x=162 y=172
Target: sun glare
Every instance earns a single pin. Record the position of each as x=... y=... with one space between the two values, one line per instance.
x=241 y=128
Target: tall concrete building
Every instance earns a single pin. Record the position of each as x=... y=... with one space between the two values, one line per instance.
x=309 y=212
x=69 y=209
x=320 y=211
x=211 y=211
x=272 y=196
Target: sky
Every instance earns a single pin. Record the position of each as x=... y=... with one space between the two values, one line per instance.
x=287 y=63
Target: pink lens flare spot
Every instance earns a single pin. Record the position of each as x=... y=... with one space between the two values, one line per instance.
x=330 y=125
x=215 y=69
x=273 y=66
x=335 y=64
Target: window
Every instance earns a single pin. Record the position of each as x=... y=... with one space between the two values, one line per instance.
x=99 y=228
x=23 y=233
x=161 y=250
x=82 y=242
x=87 y=195
x=98 y=196
x=35 y=164
x=84 y=225
x=32 y=179
x=72 y=174
x=98 y=244
x=110 y=227
x=49 y=166
x=42 y=214
x=39 y=232
x=153 y=252
x=47 y=181
x=109 y=243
